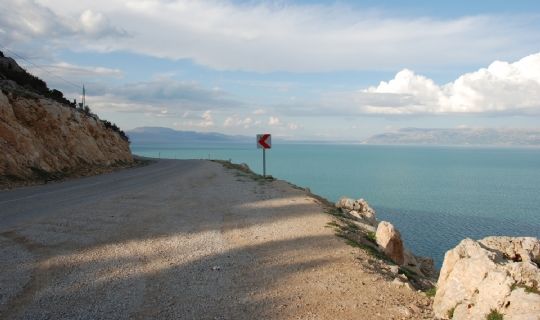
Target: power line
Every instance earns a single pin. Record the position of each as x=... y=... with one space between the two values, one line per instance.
x=41 y=67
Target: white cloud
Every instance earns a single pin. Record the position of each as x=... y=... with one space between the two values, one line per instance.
x=162 y=98
x=236 y=121
x=274 y=121
x=96 y=24
x=29 y=20
x=501 y=87
x=196 y=121
x=207 y=120
x=297 y=38
x=101 y=104
x=68 y=70
x=185 y=96
x=279 y=124
x=229 y=121
x=293 y=126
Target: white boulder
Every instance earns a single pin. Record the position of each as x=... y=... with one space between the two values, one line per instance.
x=357 y=209
x=494 y=274
x=389 y=240
x=345 y=203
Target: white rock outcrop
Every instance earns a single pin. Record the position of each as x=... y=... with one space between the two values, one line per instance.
x=496 y=274
x=389 y=239
x=358 y=209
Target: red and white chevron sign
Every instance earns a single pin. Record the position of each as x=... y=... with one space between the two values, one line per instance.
x=264 y=141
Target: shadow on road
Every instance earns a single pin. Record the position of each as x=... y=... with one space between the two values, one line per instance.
x=203 y=243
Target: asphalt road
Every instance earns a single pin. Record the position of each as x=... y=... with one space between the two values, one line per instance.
x=44 y=201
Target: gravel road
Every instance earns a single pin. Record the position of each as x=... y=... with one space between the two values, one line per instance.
x=183 y=239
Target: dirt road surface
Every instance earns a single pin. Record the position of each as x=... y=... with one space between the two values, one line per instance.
x=183 y=240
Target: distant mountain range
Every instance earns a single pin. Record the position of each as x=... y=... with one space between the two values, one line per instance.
x=458 y=137
x=167 y=135
x=406 y=136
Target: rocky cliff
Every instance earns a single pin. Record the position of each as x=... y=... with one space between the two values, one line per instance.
x=44 y=135
x=493 y=278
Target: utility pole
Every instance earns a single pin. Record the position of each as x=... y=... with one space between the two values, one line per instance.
x=83 y=98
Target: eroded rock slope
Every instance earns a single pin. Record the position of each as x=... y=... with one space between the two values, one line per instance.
x=41 y=135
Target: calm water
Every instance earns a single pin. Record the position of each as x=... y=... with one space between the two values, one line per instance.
x=436 y=196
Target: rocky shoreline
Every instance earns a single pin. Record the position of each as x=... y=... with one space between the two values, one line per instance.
x=359 y=224
x=492 y=278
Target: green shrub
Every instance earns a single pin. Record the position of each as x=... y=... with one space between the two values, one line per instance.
x=333 y=224
x=528 y=289
x=408 y=272
x=494 y=315
x=450 y=313
x=431 y=292
x=371 y=236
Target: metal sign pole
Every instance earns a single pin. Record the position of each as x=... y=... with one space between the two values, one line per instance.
x=264 y=141
x=264 y=163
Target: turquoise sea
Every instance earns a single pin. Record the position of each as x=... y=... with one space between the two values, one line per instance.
x=436 y=196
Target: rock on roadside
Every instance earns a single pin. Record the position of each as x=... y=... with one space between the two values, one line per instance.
x=496 y=274
x=389 y=239
x=358 y=209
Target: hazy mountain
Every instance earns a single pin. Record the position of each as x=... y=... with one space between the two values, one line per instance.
x=464 y=136
x=167 y=135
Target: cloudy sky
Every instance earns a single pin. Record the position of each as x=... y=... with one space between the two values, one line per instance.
x=301 y=69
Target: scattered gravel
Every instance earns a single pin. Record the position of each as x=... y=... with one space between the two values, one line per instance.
x=194 y=240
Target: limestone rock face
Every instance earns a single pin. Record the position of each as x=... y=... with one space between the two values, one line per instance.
x=358 y=209
x=345 y=203
x=41 y=135
x=496 y=273
x=516 y=249
x=389 y=239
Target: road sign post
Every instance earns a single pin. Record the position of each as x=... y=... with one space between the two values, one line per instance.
x=264 y=141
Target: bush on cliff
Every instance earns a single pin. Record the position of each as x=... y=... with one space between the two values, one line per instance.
x=115 y=128
x=12 y=71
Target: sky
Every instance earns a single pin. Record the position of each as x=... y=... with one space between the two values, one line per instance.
x=304 y=70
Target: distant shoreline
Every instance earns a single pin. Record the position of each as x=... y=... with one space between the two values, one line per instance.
x=278 y=142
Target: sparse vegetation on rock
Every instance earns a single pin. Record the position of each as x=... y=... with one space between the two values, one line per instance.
x=494 y=315
x=431 y=292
